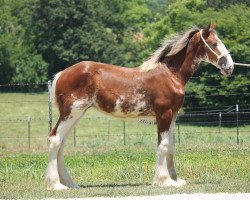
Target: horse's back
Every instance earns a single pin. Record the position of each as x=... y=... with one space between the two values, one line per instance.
x=86 y=78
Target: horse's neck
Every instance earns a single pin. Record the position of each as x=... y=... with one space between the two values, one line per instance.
x=187 y=62
x=190 y=65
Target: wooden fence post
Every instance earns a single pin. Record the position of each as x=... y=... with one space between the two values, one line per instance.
x=29 y=119
x=124 y=133
x=75 y=137
x=50 y=106
x=178 y=123
x=219 y=122
x=108 y=128
x=237 y=123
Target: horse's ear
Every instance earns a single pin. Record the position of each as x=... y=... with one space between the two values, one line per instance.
x=213 y=26
x=206 y=30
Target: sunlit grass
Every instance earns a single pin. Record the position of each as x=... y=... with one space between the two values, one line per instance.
x=95 y=129
x=105 y=163
x=127 y=171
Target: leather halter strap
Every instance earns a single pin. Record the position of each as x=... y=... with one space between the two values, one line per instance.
x=217 y=56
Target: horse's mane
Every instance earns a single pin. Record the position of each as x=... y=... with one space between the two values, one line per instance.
x=169 y=48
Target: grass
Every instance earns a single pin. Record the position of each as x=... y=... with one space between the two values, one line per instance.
x=103 y=166
x=127 y=171
x=16 y=108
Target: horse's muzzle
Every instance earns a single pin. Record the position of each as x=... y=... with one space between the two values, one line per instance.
x=227 y=72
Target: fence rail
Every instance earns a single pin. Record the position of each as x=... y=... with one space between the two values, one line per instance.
x=131 y=131
x=229 y=124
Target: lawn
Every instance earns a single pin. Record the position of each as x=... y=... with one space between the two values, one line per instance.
x=112 y=157
x=126 y=171
x=95 y=129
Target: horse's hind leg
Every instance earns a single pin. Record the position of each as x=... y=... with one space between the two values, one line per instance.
x=62 y=169
x=54 y=142
x=64 y=176
x=56 y=170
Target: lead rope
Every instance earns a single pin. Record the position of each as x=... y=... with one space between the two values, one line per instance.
x=242 y=64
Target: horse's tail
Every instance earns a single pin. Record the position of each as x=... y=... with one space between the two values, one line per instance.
x=53 y=89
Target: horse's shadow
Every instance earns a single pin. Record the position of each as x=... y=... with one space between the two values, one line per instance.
x=113 y=185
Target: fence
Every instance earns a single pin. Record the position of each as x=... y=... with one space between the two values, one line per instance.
x=27 y=117
x=222 y=127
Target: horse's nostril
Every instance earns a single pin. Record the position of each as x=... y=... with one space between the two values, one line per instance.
x=230 y=71
x=231 y=68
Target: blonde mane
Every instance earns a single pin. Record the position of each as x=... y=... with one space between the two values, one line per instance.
x=169 y=48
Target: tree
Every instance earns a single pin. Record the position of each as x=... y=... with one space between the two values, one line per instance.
x=70 y=31
x=8 y=32
x=19 y=60
x=29 y=67
x=219 y=4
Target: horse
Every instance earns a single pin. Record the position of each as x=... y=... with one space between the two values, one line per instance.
x=155 y=89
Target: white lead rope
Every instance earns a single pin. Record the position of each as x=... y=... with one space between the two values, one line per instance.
x=242 y=64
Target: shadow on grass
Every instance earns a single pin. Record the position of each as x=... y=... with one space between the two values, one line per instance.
x=200 y=182
x=114 y=185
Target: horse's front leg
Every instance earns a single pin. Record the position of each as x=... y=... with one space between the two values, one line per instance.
x=165 y=173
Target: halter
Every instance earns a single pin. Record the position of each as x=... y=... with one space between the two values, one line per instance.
x=218 y=56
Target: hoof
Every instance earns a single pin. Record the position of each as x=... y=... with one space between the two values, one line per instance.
x=181 y=181
x=70 y=184
x=57 y=186
x=74 y=186
x=169 y=182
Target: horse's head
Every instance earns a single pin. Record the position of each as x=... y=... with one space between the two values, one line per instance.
x=215 y=51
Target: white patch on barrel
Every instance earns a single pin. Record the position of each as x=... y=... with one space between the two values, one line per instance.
x=138 y=105
x=118 y=107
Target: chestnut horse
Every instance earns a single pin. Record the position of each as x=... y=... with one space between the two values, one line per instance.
x=154 y=89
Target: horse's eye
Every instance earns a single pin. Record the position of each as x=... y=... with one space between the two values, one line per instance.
x=214 y=45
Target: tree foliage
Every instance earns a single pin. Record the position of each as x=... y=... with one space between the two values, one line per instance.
x=70 y=31
x=41 y=37
x=19 y=60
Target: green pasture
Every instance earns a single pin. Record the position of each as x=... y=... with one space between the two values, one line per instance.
x=95 y=129
x=123 y=171
x=103 y=163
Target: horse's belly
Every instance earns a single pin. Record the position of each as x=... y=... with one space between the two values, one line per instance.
x=123 y=107
x=129 y=115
